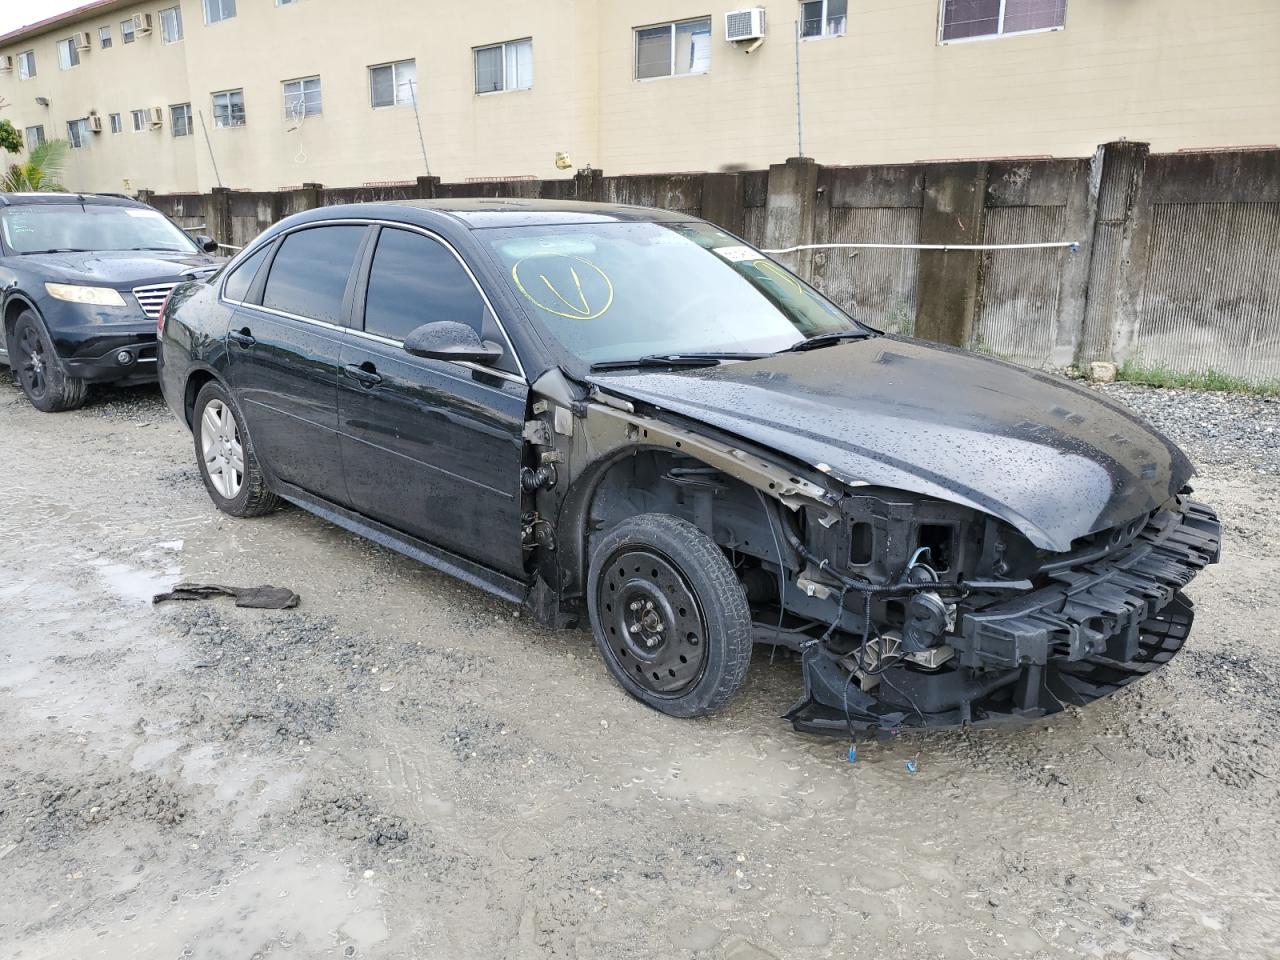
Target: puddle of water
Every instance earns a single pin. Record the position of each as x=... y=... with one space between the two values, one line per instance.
x=133 y=584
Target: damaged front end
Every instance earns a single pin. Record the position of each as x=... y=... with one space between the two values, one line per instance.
x=945 y=617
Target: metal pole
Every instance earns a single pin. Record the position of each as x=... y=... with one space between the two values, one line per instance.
x=799 y=121
x=212 y=159
x=413 y=93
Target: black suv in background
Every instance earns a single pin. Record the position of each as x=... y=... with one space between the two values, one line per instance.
x=82 y=281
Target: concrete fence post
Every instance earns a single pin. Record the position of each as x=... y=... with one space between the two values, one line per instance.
x=952 y=209
x=218 y=214
x=1073 y=284
x=1119 y=241
x=722 y=201
x=790 y=212
x=588 y=185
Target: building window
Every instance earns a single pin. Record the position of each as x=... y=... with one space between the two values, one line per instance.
x=126 y=31
x=393 y=84
x=301 y=98
x=140 y=120
x=26 y=64
x=504 y=66
x=218 y=10
x=171 y=24
x=68 y=55
x=117 y=123
x=673 y=49
x=823 y=18
x=104 y=37
x=967 y=19
x=34 y=136
x=228 y=108
x=78 y=132
x=180 y=119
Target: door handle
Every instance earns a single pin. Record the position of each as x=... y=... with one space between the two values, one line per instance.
x=363 y=373
x=243 y=337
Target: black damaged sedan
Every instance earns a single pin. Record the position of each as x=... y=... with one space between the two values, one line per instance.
x=82 y=280
x=631 y=417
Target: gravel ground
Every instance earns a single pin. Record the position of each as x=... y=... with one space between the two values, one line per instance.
x=1222 y=429
x=405 y=767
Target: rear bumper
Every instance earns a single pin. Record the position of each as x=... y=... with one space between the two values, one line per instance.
x=1092 y=630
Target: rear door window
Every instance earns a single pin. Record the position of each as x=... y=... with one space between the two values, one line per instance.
x=309 y=275
x=241 y=278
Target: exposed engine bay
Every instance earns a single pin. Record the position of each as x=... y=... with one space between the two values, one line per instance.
x=906 y=611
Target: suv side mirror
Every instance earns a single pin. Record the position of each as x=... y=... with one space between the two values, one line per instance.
x=207 y=244
x=450 y=340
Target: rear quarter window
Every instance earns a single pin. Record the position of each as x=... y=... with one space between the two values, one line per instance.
x=241 y=278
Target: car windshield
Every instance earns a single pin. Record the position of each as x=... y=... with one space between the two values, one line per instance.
x=38 y=228
x=624 y=291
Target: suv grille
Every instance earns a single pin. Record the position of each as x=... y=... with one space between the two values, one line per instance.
x=151 y=298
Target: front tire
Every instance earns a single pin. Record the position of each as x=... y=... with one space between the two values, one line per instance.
x=669 y=615
x=225 y=456
x=39 y=371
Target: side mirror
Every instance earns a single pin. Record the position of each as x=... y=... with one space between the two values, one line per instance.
x=450 y=340
x=207 y=244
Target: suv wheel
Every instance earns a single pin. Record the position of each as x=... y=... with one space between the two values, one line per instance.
x=39 y=370
x=225 y=456
x=669 y=615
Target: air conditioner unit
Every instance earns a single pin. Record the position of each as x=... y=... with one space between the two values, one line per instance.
x=142 y=23
x=156 y=116
x=83 y=42
x=744 y=25
x=6 y=62
x=95 y=123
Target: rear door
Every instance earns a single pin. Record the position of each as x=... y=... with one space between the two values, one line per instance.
x=431 y=447
x=285 y=348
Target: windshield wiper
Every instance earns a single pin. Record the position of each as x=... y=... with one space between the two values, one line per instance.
x=675 y=360
x=56 y=250
x=165 y=249
x=827 y=340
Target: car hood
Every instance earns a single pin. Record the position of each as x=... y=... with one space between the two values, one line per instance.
x=1055 y=459
x=120 y=268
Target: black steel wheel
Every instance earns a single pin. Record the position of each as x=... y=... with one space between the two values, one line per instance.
x=39 y=370
x=669 y=615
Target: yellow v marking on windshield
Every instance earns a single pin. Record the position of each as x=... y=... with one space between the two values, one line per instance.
x=584 y=309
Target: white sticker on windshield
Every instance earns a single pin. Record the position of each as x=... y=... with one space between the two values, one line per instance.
x=148 y=214
x=738 y=254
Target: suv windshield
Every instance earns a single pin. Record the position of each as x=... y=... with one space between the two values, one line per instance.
x=624 y=291
x=37 y=228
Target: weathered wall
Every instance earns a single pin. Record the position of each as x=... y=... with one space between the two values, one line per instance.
x=1178 y=264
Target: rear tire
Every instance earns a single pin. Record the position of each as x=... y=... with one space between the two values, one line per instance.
x=669 y=615
x=225 y=456
x=35 y=363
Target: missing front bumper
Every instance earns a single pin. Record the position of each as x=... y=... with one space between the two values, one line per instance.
x=1093 y=630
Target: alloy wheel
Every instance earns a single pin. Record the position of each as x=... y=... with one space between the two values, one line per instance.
x=222 y=449
x=33 y=363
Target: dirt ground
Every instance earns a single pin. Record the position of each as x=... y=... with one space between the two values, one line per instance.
x=404 y=767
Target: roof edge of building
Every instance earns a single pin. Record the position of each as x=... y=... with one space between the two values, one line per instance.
x=81 y=12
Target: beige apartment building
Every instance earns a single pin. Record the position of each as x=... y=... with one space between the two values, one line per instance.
x=181 y=95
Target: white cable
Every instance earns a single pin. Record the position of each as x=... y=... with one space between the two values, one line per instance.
x=1073 y=244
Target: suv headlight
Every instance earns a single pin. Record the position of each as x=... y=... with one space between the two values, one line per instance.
x=98 y=296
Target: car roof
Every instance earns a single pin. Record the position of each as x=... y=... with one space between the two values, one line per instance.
x=479 y=213
x=104 y=199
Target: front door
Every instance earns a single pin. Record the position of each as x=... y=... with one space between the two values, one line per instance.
x=431 y=447
x=285 y=352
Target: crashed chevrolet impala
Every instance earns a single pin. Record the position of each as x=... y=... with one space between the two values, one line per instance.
x=631 y=417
